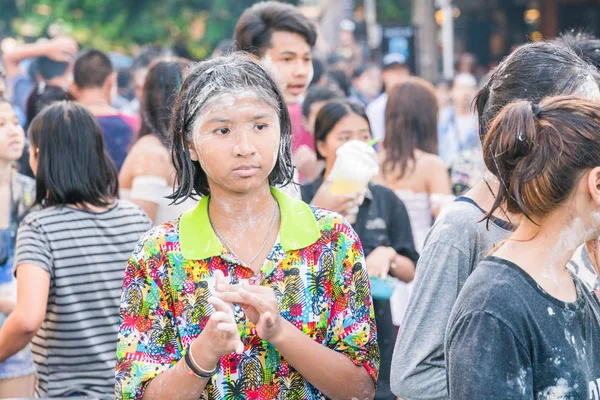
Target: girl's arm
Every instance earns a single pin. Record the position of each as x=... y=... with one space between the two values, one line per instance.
x=22 y=324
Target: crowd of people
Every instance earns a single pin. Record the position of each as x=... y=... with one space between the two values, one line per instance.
x=265 y=224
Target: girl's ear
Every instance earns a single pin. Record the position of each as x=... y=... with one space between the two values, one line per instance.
x=594 y=185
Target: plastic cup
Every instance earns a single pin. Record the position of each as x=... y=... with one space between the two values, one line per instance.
x=355 y=165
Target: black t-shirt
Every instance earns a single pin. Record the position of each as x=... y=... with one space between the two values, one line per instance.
x=382 y=220
x=508 y=339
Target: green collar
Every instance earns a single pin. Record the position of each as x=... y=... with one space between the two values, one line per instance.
x=198 y=241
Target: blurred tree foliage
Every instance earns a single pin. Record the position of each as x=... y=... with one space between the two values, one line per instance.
x=196 y=26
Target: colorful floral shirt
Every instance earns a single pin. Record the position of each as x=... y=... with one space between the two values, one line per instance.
x=316 y=269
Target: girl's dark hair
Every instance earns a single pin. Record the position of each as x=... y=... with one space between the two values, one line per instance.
x=232 y=74
x=532 y=72
x=41 y=97
x=161 y=87
x=586 y=45
x=73 y=167
x=411 y=117
x=538 y=152
x=330 y=115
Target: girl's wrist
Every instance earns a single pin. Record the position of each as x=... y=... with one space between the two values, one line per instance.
x=205 y=356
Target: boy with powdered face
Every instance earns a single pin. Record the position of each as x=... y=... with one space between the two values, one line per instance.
x=282 y=38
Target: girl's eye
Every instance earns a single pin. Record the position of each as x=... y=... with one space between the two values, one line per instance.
x=222 y=131
x=260 y=127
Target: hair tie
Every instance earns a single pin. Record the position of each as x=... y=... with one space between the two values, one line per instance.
x=536 y=110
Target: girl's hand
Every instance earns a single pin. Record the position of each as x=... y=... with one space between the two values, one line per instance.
x=260 y=305
x=380 y=261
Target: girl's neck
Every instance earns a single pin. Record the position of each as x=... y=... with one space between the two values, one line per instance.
x=6 y=168
x=237 y=211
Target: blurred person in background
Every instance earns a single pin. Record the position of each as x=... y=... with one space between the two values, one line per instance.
x=348 y=50
x=458 y=130
x=70 y=258
x=316 y=98
x=381 y=221
x=366 y=84
x=336 y=79
x=17 y=194
x=52 y=61
x=148 y=174
x=282 y=39
x=94 y=82
x=443 y=91
x=411 y=167
x=394 y=72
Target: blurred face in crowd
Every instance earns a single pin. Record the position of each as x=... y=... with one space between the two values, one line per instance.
x=394 y=76
x=236 y=141
x=351 y=127
x=12 y=137
x=369 y=83
x=444 y=94
x=289 y=59
x=463 y=94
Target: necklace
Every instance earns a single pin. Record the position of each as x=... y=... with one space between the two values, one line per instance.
x=222 y=239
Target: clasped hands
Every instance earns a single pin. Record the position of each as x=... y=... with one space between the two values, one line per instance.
x=261 y=308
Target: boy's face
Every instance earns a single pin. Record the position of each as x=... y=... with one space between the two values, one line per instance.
x=289 y=59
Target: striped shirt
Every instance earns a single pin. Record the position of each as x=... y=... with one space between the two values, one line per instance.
x=85 y=254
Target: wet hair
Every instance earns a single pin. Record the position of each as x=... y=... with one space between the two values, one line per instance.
x=539 y=151
x=256 y=25
x=534 y=71
x=41 y=97
x=92 y=68
x=161 y=88
x=314 y=95
x=586 y=45
x=206 y=81
x=73 y=167
x=411 y=118
x=331 y=114
x=48 y=68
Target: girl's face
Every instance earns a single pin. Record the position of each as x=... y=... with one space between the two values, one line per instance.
x=12 y=137
x=236 y=140
x=351 y=127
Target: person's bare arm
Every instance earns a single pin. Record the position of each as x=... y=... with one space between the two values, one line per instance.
x=58 y=49
x=439 y=180
x=33 y=285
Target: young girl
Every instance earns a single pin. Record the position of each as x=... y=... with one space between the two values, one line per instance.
x=17 y=193
x=410 y=165
x=70 y=258
x=148 y=174
x=527 y=323
x=251 y=294
x=381 y=223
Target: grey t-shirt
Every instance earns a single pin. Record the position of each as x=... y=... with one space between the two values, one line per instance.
x=454 y=246
x=85 y=254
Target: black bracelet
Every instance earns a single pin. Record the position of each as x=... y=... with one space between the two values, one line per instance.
x=194 y=369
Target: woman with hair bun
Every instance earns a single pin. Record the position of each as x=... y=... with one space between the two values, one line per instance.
x=528 y=323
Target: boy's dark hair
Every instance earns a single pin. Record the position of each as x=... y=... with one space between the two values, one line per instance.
x=256 y=26
x=41 y=97
x=92 y=68
x=205 y=81
x=531 y=72
x=586 y=45
x=49 y=69
x=314 y=95
x=161 y=88
x=73 y=167
x=331 y=114
x=362 y=69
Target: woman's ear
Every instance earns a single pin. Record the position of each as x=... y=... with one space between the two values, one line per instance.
x=594 y=185
x=321 y=146
x=193 y=152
